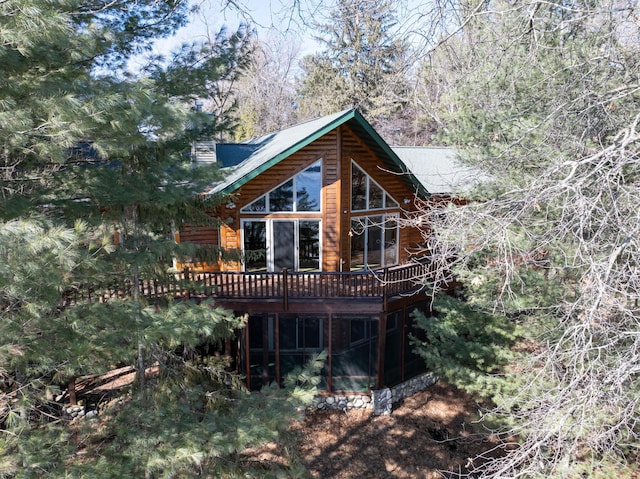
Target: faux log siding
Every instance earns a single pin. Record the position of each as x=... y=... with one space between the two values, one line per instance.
x=231 y=241
x=207 y=235
x=325 y=149
x=336 y=191
x=331 y=185
x=199 y=234
x=353 y=148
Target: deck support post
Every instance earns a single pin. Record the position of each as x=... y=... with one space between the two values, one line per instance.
x=382 y=337
x=329 y=359
x=71 y=388
x=247 y=352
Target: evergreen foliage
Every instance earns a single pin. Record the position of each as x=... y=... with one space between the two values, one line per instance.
x=197 y=423
x=364 y=66
x=94 y=179
x=465 y=346
x=553 y=240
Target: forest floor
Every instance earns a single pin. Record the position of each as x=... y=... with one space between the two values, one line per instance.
x=431 y=434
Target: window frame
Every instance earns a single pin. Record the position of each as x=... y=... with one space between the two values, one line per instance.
x=294 y=200
x=386 y=217
x=301 y=320
x=370 y=330
x=269 y=241
x=385 y=196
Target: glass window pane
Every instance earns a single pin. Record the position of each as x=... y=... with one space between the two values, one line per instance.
x=258 y=332
x=288 y=333
x=283 y=245
x=358 y=330
x=358 y=189
x=255 y=245
x=281 y=199
x=308 y=187
x=309 y=333
x=309 y=244
x=358 y=227
x=374 y=242
x=390 y=202
x=376 y=196
x=258 y=206
x=390 y=242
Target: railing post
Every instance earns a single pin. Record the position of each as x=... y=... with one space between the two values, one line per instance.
x=285 y=289
x=186 y=281
x=385 y=286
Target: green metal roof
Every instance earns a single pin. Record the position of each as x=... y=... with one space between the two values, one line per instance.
x=439 y=169
x=245 y=161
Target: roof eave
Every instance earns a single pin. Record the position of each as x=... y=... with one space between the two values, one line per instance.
x=351 y=114
x=288 y=152
x=392 y=155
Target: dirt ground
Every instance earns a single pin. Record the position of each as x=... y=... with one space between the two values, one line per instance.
x=429 y=432
x=432 y=434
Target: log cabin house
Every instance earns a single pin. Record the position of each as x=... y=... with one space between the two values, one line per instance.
x=317 y=210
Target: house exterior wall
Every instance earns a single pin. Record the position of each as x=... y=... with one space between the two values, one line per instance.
x=324 y=148
x=357 y=354
x=336 y=149
x=354 y=149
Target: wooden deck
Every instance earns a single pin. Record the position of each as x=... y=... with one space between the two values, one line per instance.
x=285 y=286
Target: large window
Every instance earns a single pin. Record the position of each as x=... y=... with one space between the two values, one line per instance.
x=300 y=193
x=374 y=237
x=374 y=241
x=295 y=332
x=273 y=245
x=255 y=245
x=366 y=194
x=300 y=333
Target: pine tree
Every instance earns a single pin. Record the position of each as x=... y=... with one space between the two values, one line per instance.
x=363 y=65
x=466 y=346
x=94 y=177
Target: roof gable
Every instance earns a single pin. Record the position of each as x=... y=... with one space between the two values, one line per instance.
x=245 y=161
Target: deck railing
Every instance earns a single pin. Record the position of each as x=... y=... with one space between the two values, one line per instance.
x=286 y=285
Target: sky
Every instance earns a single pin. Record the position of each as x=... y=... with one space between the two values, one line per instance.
x=270 y=17
x=277 y=18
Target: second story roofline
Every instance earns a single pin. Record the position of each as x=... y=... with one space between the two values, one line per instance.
x=245 y=161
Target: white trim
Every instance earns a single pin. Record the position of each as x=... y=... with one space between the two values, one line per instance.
x=386 y=217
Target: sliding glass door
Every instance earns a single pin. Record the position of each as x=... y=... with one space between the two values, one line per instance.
x=273 y=245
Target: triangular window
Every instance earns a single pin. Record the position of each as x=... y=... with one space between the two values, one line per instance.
x=366 y=194
x=300 y=193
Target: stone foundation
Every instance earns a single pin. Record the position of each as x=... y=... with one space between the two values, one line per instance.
x=380 y=400
x=343 y=402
